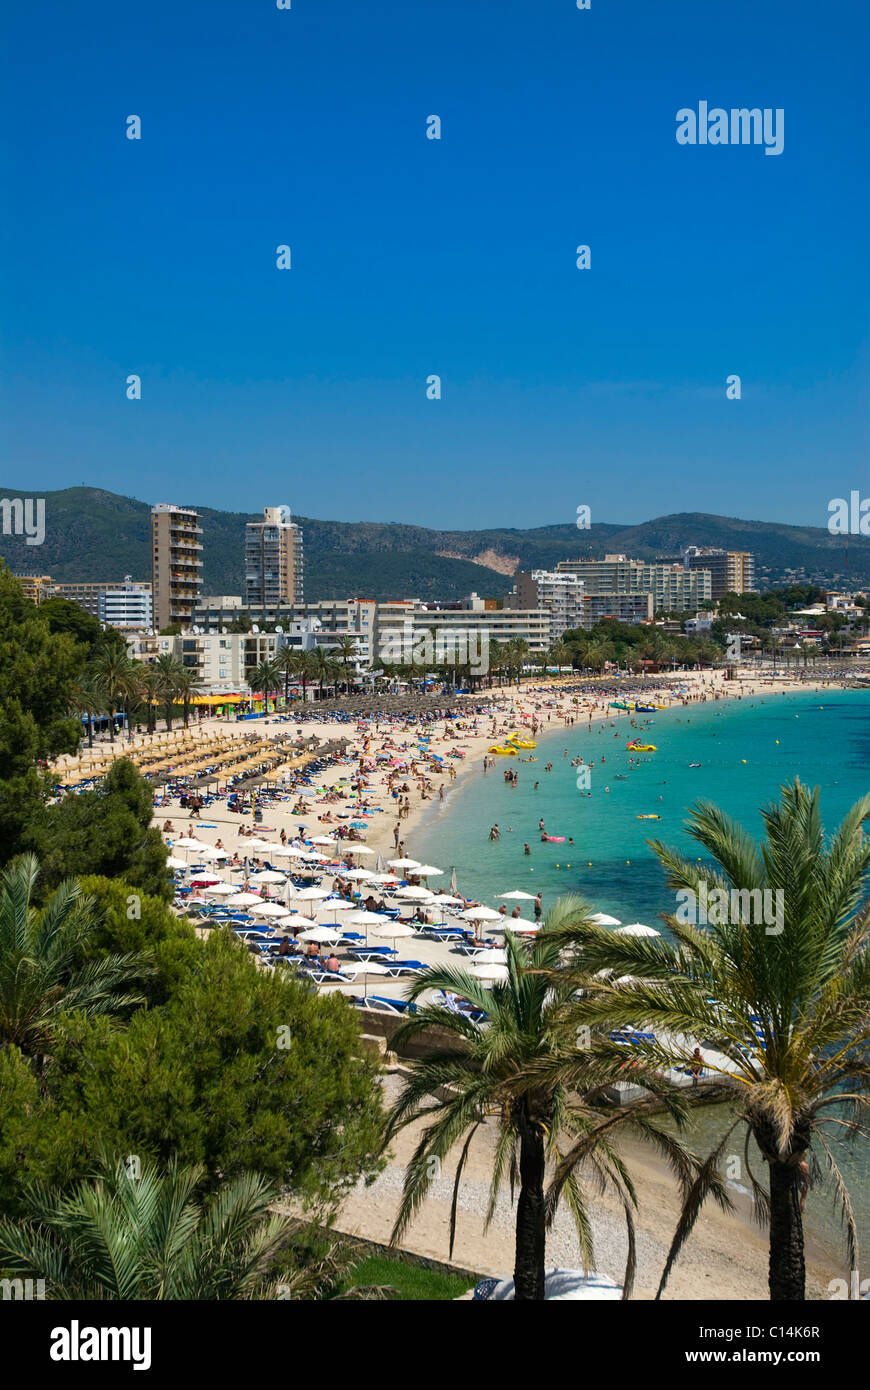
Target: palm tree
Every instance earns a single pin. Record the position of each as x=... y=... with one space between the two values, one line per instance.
x=86 y=697
x=148 y=685
x=150 y=1237
x=187 y=685
x=169 y=672
x=323 y=667
x=113 y=673
x=786 y=1001
x=597 y=655
x=346 y=648
x=559 y=654
x=291 y=663
x=496 y=659
x=517 y=653
x=43 y=977
x=266 y=677
x=500 y=1073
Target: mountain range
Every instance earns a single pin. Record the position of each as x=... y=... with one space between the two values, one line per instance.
x=92 y=534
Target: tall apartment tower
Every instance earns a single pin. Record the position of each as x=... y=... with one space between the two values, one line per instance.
x=176 y=564
x=273 y=560
x=732 y=571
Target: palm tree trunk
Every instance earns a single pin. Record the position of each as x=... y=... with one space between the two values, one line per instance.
x=787 y=1271
x=531 y=1222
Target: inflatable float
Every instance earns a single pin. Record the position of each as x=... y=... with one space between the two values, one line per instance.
x=649 y=817
x=556 y=839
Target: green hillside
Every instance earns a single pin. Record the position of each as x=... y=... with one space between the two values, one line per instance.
x=92 y=534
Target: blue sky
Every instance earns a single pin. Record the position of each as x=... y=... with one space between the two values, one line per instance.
x=412 y=257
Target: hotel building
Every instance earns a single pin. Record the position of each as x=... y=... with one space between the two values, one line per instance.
x=176 y=562
x=674 y=587
x=273 y=560
x=731 y=571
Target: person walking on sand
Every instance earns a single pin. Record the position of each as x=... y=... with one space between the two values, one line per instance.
x=804 y=1181
x=696 y=1066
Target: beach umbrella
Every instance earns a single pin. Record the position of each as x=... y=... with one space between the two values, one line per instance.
x=601 y=919
x=338 y=905
x=519 y=924
x=264 y=909
x=636 y=929
x=422 y=895
x=309 y=894
x=355 y=849
x=427 y=870
x=323 y=840
x=320 y=933
x=365 y=919
x=517 y=893
x=403 y=863
x=482 y=914
x=491 y=957
x=267 y=876
x=188 y=843
x=386 y=878
x=219 y=890
x=494 y=974
x=393 y=931
x=295 y=919
x=173 y=863
x=206 y=852
x=445 y=900
x=244 y=899
x=359 y=874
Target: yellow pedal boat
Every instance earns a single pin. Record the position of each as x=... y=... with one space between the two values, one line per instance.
x=508 y=751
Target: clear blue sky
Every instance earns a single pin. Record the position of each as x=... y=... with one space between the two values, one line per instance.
x=412 y=257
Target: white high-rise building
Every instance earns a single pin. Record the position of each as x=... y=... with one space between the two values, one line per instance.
x=273 y=560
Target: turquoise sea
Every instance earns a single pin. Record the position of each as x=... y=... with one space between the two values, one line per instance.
x=746 y=750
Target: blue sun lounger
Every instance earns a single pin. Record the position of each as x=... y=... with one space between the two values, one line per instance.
x=403 y=967
x=382 y=1001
